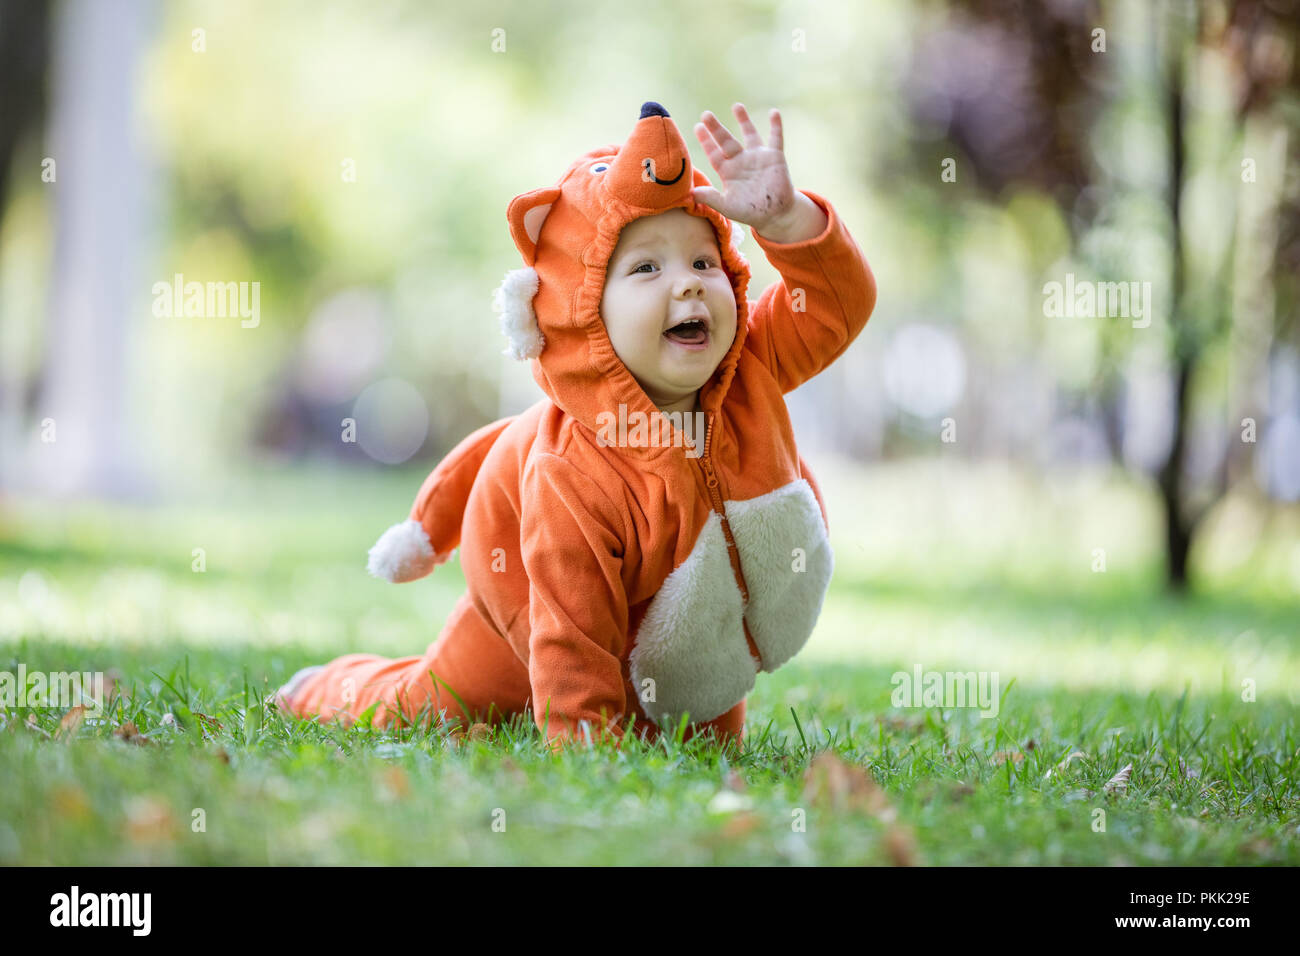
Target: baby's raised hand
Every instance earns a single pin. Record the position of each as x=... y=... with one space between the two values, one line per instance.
x=755 y=180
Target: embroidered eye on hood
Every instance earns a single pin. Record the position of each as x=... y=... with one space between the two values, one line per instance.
x=566 y=234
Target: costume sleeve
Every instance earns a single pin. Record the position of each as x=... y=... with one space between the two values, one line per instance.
x=573 y=545
x=804 y=322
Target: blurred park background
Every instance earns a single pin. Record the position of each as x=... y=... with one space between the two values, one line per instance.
x=355 y=160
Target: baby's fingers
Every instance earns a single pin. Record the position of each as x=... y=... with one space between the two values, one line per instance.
x=719 y=145
x=746 y=126
x=711 y=149
x=708 y=196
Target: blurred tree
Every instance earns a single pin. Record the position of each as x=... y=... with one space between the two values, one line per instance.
x=100 y=212
x=1258 y=41
x=24 y=59
x=1017 y=89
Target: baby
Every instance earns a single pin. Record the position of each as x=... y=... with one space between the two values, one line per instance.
x=639 y=544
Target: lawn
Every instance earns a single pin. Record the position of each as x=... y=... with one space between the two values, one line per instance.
x=939 y=566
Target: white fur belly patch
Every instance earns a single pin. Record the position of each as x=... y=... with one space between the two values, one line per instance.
x=787 y=560
x=691 y=653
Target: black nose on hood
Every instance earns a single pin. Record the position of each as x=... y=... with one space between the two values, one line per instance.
x=651 y=108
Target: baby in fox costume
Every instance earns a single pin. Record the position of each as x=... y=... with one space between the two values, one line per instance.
x=623 y=569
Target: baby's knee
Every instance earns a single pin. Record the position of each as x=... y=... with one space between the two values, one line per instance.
x=729 y=728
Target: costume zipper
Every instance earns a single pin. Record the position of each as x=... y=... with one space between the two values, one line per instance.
x=733 y=553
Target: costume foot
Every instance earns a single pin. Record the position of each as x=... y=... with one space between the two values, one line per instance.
x=283 y=697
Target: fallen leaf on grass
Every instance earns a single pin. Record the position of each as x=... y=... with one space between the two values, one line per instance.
x=901 y=724
x=1002 y=756
x=961 y=791
x=513 y=771
x=209 y=723
x=741 y=824
x=901 y=846
x=1258 y=847
x=479 y=732
x=131 y=735
x=845 y=786
x=830 y=780
x=149 y=820
x=1118 y=784
x=394 y=783
x=70 y=723
x=1065 y=764
x=70 y=802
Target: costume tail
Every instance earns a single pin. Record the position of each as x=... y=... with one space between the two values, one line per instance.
x=413 y=548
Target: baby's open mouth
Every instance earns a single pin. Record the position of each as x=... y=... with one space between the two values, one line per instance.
x=690 y=332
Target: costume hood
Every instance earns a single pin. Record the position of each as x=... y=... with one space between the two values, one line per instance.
x=566 y=234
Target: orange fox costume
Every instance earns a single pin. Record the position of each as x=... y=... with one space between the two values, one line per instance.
x=616 y=587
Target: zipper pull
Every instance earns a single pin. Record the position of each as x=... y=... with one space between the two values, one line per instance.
x=710 y=478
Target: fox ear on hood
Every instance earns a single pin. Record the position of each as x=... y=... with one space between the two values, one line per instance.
x=514 y=297
x=526 y=213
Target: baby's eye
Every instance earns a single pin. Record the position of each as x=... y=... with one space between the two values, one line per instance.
x=708 y=263
x=638 y=268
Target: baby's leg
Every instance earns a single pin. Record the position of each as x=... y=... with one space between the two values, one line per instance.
x=728 y=728
x=468 y=661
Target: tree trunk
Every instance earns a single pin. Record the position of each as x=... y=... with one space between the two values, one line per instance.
x=24 y=62
x=1178 y=532
x=99 y=210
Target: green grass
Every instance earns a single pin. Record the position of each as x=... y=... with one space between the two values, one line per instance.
x=1099 y=663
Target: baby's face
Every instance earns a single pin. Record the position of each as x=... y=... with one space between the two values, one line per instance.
x=664 y=270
